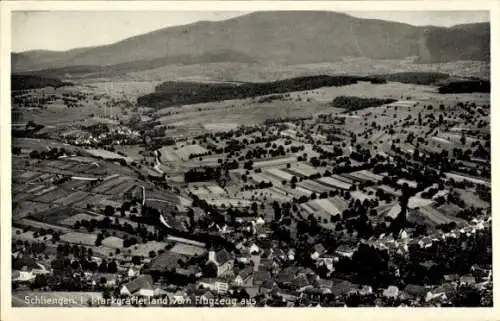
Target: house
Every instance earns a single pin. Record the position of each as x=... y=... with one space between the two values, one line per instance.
x=214 y=284
x=428 y=264
x=403 y=234
x=222 y=259
x=451 y=277
x=206 y=296
x=140 y=286
x=267 y=286
x=324 y=284
x=159 y=292
x=252 y=291
x=255 y=260
x=27 y=269
x=317 y=251
x=345 y=251
x=23 y=276
x=244 y=277
x=425 y=242
x=254 y=249
x=326 y=260
x=279 y=254
x=286 y=276
x=260 y=277
x=468 y=279
x=415 y=291
x=133 y=272
x=442 y=292
x=266 y=264
x=287 y=296
x=391 y=292
x=104 y=279
x=365 y=290
x=261 y=231
x=342 y=287
x=479 y=272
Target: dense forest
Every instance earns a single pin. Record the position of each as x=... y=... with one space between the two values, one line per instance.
x=21 y=82
x=178 y=93
x=173 y=93
x=352 y=103
x=416 y=78
x=468 y=86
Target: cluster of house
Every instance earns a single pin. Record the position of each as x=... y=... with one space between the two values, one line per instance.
x=291 y=285
x=265 y=271
x=81 y=137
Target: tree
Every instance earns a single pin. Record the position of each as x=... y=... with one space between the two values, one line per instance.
x=136 y=260
x=103 y=268
x=463 y=139
x=254 y=207
x=467 y=296
x=112 y=267
x=277 y=211
x=210 y=270
x=98 y=241
x=109 y=210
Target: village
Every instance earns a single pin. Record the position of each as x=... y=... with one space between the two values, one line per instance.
x=371 y=206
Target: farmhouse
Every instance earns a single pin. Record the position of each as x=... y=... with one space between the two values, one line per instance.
x=106 y=279
x=140 y=286
x=345 y=251
x=244 y=278
x=222 y=259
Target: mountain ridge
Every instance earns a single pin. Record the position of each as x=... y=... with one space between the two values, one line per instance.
x=279 y=37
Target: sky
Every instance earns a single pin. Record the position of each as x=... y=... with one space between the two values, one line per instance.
x=56 y=30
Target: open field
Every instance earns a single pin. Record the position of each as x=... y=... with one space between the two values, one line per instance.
x=361 y=196
x=52 y=195
x=365 y=175
x=415 y=202
x=459 y=178
x=184 y=151
x=79 y=238
x=111 y=184
x=274 y=162
x=327 y=206
x=72 y=198
x=471 y=198
x=302 y=170
x=27 y=208
x=259 y=72
x=78 y=217
x=18 y=234
x=221 y=126
x=40 y=225
x=334 y=183
x=278 y=173
x=106 y=154
x=313 y=186
x=434 y=216
x=206 y=189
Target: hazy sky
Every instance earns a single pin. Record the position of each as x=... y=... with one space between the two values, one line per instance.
x=57 y=30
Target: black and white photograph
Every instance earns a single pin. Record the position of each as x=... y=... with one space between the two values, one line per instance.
x=250 y=159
